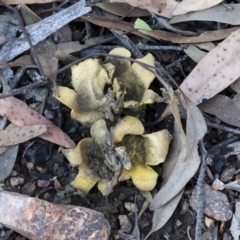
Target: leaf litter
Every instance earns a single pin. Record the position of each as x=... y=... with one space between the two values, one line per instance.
x=206 y=81
x=184 y=145
x=14 y=135
x=21 y=115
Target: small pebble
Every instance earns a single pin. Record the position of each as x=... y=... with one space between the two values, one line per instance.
x=16 y=181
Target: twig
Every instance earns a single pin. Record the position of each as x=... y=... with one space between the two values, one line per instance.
x=22 y=90
x=158 y=47
x=42 y=29
x=176 y=62
x=199 y=194
x=135 y=231
x=54 y=8
x=139 y=46
x=222 y=144
x=39 y=83
x=127 y=43
x=92 y=55
x=226 y=129
x=21 y=25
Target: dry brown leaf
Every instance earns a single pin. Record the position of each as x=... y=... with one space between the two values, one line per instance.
x=115 y=24
x=122 y=9
x=71 y=47
x=223 y=107
x=219 y=13
x=14 y=135
x=25 y=61
x=207 y=36
x=65 y=58
x=216 y=71
x=21 y=115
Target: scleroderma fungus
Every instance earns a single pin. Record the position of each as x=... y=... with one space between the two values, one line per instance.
x=144 y=150
x=135 y=78
x=122 y=150
x=98 y=160
x=88 y=100
x=123 y=153
x=128 y=87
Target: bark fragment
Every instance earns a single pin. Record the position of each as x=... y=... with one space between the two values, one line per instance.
x=41 y=220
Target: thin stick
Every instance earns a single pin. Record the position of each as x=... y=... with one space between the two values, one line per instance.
x=22 y=90
x=226 y=129
x=199 y=195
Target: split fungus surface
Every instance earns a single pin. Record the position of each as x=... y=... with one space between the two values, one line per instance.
x=118 y=148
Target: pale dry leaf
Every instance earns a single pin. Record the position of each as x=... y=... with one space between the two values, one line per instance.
x=163 y=214
x=14 y=135
x=235 y=185
x=21 y=115
x=7 y=161
x=219 y=13
x=223 y=107
x=207 y=46
x=188 y=160
x=194 y=53
x=237 y=211
x=194 y=5
x=9 y=25
x=216 y=71
x=206 y=80
x=178 y=151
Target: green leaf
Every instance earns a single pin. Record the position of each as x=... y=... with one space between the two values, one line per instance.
x=141 y=25
x=144 y=28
